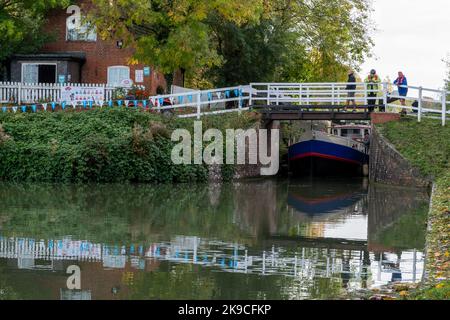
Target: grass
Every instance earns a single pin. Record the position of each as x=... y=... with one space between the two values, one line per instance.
x=427 y=146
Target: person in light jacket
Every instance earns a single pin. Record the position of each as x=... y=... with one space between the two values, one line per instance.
x=373 y=82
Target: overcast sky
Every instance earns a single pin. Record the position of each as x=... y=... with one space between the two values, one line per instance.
x=412 y=36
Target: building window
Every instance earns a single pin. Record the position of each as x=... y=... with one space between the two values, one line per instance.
x=85 y=32
x=118 y=74
x=39 y=73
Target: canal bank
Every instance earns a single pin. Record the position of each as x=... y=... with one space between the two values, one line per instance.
x=417 y=154
x=104 y=146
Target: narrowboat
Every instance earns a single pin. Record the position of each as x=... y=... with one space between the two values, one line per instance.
x=340 y=151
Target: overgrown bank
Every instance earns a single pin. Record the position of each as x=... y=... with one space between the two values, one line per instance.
x=104 y=145
x=427 y=146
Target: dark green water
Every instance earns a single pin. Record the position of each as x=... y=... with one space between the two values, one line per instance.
x=263 y=239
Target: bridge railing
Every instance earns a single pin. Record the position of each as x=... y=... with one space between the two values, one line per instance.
x=308 y=94
x=423 y=102
x=205 y=102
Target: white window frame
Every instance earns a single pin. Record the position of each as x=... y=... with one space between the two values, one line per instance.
x=83 y=27
x=38 y=63
x=110 y=68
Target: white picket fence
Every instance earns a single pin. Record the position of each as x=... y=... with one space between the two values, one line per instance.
x=23 y=93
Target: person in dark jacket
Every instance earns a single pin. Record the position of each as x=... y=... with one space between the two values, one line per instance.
x=351 y=90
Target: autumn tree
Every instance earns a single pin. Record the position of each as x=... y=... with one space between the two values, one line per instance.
x=299 y=40
x=172 y=35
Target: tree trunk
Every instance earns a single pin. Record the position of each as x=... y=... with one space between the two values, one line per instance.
x=178 y=77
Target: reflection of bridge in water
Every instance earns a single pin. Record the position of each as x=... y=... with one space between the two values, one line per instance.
x=302 y=230
x=302 y=258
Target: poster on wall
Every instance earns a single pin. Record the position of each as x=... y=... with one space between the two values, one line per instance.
x=139 y=77
x=80 y=94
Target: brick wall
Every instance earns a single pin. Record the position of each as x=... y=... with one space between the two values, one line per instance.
x=383 y=117
x=99 y=55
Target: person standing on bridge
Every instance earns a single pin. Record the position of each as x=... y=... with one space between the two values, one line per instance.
x=373 y=87
x=351 y=87
x=402 y=83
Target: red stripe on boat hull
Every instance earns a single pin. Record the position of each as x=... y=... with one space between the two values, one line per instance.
x=324 y=156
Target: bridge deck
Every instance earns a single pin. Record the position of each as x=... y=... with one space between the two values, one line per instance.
x=313 y=112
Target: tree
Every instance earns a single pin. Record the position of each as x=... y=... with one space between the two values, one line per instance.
x=218 y=42
x=294 y=41
x=172 y=35
x=20 y=25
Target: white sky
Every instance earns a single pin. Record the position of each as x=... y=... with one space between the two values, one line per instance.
x=412 y=36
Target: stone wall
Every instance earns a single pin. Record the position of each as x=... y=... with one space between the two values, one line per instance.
x=388 y=166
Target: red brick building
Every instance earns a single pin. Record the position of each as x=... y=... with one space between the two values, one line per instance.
x=79 y=55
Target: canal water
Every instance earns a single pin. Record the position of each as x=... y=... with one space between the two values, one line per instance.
x=262 y=239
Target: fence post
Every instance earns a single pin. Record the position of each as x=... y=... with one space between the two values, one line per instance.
x=199 y=105
x=268 y=94
x=385 y=94
x=19 y=93
x=444 y=107
x=333 y=94
x=419 y=114
x=250 y=99
x=278 y=96
x=300 y=95
x=240 y=99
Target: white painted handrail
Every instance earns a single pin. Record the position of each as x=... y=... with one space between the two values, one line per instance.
x=239 y=98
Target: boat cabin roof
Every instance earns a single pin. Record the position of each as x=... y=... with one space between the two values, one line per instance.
x=352 y=126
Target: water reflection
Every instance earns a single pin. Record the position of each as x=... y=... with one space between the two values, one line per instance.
x=249 y=240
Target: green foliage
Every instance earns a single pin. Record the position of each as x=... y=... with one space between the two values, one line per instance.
x=440 y=291
x=221 y=43
x=21 y=24
x=294 y=41
x=157 y=28
x=109 y=145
